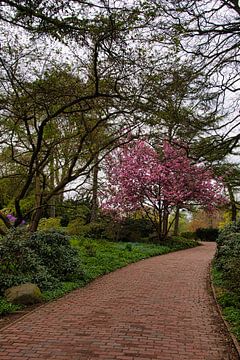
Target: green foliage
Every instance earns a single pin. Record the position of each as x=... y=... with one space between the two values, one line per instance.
x=74 y=227
x=188 y=235
x=50 y=223
x=113 y=255
x=228 y=261
x=96 y=230
x=52 y=252
x=207 y=234
x=64 y=221
x=75 y=209
x=226 y=274
x=179 y=243
x=8 y=308
x=44 y=258
x=135 y=229
x=228 y=300
x=19 y=263
x=129 y=247
x=93 y=230
x=61 y=289
x=56 y=254
x=227 y=258
x=228 y=230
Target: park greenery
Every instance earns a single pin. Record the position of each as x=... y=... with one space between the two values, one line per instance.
x=225 y=274
x=118 y=133
x=59 y=264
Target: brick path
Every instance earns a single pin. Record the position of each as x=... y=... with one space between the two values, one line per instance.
x=160 y=308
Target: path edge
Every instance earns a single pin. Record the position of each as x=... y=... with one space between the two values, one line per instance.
x=234 y=339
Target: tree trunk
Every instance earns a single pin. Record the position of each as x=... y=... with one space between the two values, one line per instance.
x=94 y=208
x=38 y=202
x=233 y=203
x=52 y=207
x=165 y=222
x=176 y=222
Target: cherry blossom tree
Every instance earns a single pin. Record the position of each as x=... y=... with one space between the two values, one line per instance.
x=157 y=181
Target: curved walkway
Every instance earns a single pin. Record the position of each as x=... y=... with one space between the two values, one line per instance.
x=160 y=308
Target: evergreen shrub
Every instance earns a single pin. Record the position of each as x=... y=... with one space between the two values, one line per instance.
x=207 y=234
x=43 y=258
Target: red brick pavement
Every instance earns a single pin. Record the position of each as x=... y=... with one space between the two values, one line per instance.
x=160 y=308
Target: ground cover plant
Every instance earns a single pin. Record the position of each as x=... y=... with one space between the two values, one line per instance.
x=82 y=260
x=226 y=274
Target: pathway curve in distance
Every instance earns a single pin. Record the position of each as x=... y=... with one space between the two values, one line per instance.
x=159 y=308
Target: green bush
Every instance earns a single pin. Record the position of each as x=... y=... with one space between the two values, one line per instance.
x=50 y=223
x=188 y=235
x=19 y=263
x=44 y=258
x=227 y=231
x=56 y=253
x=227 y=258
x=74 y=226
x=92 y=230
x=135 y=230
x=64 y=221
x=207 y=234
x=179 y=242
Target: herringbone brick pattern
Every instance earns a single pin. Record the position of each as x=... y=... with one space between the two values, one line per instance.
x=160 y=308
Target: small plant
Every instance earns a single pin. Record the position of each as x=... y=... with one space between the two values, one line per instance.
x=7 y=308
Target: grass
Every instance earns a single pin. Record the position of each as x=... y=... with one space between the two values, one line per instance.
x=100 y=257
x=229 y=302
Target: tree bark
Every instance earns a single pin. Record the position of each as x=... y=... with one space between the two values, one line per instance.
x=233 y=203
x=176 y=222
x=38 y=202
x=165 y=221
x=94 y=208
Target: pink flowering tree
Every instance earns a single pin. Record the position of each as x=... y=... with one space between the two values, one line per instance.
x=156 y=181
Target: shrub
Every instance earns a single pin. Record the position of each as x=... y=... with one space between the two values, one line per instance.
x=227 y=258
x=56 y=253
x=229 y=229
x=188 y=235
x=20 y=264
x=92 y=230
x=50 y=223
x=74 y=226
x=179 y=242
x=64 y=221
x=135 y=230
x=44 y=258
x=207 y=234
